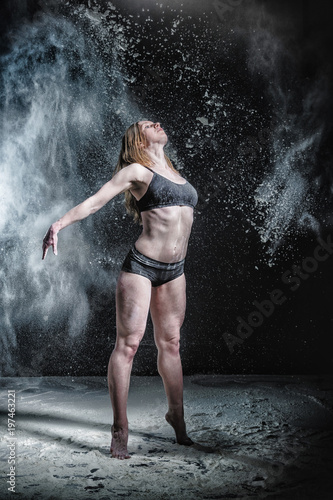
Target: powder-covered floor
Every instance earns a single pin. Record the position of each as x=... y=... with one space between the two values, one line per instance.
x=258 y=437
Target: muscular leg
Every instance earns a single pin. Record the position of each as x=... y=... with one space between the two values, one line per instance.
x=167 y=309
x=132 y=306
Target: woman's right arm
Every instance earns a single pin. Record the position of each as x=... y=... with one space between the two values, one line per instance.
x=125 y=179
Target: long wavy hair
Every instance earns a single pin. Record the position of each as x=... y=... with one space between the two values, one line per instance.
x=133 y=152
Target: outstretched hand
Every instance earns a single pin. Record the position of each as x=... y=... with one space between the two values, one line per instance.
x=50 y=239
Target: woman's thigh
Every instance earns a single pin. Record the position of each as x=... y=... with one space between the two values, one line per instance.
x=167 y=308
x=132 y=304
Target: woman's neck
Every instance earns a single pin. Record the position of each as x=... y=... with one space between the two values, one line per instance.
x=156 y=153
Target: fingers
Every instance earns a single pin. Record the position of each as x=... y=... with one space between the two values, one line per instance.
x=44 y=252
x=45 y=247
x=50 y=240
x=55 y=244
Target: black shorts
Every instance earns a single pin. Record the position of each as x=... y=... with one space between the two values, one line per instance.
x=157 y=272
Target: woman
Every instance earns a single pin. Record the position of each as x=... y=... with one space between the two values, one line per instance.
x=152 y=276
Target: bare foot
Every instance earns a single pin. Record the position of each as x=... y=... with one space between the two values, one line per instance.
x=179 y=427
x=119 y=443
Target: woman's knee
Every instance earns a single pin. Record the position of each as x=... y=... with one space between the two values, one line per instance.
x=129 y=336
x=168 y=343
x=130 y=349
x=127 y=347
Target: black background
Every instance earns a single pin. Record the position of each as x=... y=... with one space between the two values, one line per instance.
x=172 y=73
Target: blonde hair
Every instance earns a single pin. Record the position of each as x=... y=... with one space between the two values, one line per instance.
x=133 y=152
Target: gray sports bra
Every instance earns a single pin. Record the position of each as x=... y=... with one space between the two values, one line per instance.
x=162 y=192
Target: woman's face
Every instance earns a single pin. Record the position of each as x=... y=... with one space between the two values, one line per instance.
x=153 y=132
